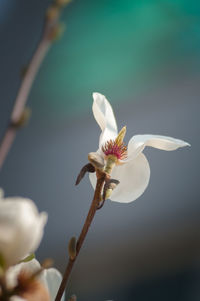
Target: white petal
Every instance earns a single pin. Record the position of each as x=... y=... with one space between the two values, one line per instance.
x=105 y=118
x=133 y=176
x=1 y=193
x=16 y=298
x=31 y=266
x=137 y=143
x=93 y=179
x=53 y=279
x=40 y=222
x=50 y=278
x=21 y=228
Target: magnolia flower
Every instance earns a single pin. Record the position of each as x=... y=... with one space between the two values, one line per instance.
x=126 y=163
x=45 y=285
x=21 y=228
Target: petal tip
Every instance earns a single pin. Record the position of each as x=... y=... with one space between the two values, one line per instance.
x=187 y=144
x=96 y=94
x=43 y=218
x=184 y=143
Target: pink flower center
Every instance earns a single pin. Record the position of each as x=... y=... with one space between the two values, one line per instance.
x=111 y=147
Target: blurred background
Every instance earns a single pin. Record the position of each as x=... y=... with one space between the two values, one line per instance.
x=145 y=57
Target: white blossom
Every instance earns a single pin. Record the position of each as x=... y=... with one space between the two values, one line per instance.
x=131 y=168
x=49 y=278
x=21 y=228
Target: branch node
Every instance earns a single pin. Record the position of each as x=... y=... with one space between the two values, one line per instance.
x=23 y=120
x=110 y=185
x=72 y=248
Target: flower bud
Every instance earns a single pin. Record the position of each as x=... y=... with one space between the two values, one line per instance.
x=21 y=228
x=110 y=185
x=23 y=120
x=52 y=13
x=72 y=248
x=56 y=32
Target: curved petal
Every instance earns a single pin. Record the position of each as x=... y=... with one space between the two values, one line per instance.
x=49 y=278
x=53 y=279
x=40 y=291
x=31 y=266
x=105 y=118
x=137 y=144
x=134 y=178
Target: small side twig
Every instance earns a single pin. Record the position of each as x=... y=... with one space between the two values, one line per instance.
x=51 y=28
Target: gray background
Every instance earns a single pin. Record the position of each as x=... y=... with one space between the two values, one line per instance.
x=145 y=250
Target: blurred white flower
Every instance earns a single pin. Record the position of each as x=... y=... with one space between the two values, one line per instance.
x=21 y=228
x=131 y=167
x=50 y=279
x=16 y=298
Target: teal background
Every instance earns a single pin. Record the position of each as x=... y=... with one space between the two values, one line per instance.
x=121 y=48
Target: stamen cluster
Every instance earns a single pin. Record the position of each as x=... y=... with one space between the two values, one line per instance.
x=118 y=150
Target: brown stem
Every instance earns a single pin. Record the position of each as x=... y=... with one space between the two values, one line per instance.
x=93 y=208
x=6 y=143
x=21 y=98
x=25 y=87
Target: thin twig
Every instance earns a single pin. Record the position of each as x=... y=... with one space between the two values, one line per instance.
x=45 y=42
x=21 y=99
x=93 y=208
